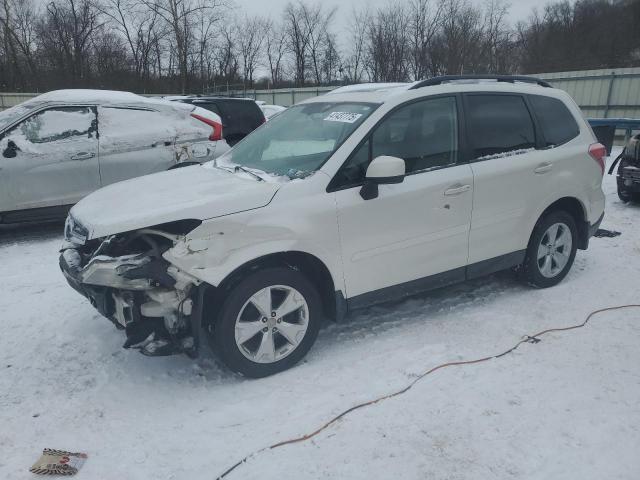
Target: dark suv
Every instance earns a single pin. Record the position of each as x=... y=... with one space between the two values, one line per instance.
x=240 y=116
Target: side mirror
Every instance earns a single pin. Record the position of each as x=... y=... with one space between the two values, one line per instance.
x=11 y=150
x=381 y=171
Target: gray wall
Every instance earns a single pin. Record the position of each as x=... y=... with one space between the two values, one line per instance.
x=600 y=93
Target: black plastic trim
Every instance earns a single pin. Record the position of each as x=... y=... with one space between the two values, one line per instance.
x=492 y=265
x=450 y=277
x=407 y=289
x=430 y=82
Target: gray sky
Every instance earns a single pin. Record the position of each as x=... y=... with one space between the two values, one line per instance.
x=519 y=9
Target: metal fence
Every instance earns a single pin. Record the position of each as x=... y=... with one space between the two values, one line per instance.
x=600 y=93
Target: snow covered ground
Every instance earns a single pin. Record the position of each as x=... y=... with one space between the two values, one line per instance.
x=565 y=408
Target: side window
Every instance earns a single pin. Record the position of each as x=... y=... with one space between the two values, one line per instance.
x=424 y=134
x=556 y=122
x=498 y=124
x=60 y=123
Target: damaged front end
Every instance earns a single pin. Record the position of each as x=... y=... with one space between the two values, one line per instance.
x=126 y=278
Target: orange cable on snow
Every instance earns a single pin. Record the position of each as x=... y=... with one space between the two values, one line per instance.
x=526 y=339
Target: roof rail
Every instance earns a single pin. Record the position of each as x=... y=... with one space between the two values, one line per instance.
x=499 y=78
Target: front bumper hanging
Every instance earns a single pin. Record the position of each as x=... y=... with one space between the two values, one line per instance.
x=158 y=307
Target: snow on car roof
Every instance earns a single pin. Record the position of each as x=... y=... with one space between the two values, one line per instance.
x=103 y=97
x=88 y=95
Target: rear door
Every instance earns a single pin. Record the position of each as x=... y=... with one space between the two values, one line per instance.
x=509 y=173
x=50 y=159
x=134 y=142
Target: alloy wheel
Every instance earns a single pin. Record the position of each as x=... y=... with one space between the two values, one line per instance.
x=554 y=250
x=271 y=324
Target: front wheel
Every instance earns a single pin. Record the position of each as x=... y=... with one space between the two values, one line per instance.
x=267 y=323
x=551 y=250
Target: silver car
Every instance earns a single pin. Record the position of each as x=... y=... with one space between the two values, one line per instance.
x=62 y=145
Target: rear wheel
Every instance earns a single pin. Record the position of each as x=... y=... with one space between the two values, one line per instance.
x=551 y=250
x=267 y=323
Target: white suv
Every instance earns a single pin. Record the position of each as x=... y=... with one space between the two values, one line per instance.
x=339 y=202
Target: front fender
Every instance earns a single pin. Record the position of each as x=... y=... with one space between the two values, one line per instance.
x=218 y=247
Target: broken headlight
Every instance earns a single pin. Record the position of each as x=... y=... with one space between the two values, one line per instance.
x=74 y=232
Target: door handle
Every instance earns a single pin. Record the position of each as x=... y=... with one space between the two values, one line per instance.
x=543 y=168
x=457 y=189
x=83 y=156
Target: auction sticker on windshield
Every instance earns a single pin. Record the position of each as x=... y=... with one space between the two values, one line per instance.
x=345 y=117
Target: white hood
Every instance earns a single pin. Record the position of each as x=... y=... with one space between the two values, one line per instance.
x=184 y=193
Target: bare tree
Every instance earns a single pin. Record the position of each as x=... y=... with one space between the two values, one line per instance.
x=206 y=33
x=457 y=48
x=388 y=45
x=424 y=23
x=354 y=61
x=65 y=34
x=181 y=16
x=331 y=64
x=275 y=49
x=250 y=35
x=497 y=37
x=226 y=56
x=298 y=38
x=140 y=28
x=316 y=23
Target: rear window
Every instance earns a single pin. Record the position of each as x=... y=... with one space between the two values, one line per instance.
x=238 y=116
x=556 y=122
x=498 y=124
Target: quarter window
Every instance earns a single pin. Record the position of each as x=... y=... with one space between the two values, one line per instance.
x=498 y=124
x=556 y=122
x=423 y=133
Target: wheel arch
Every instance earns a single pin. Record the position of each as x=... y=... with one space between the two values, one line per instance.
x=333 y=303
x=577 y=210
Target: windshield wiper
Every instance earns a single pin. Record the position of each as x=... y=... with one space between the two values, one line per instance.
x=246 y=170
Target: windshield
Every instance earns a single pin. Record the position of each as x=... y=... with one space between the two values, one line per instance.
x=300 y=139
x=10 y=115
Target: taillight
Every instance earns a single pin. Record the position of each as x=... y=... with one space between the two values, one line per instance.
x=217 y=127
x=598 y=152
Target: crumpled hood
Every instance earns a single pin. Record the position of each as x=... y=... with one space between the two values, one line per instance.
x=183 y=193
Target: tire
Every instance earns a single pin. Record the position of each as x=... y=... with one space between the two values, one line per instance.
x=625 y=195
x=247 y=304
x=550 y=268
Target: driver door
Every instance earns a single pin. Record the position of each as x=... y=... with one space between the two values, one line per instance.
x=414 y=235
x=50 y=159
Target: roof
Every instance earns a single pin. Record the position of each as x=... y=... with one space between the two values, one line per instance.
x=87 y=95
x=369 y=87
x=103 y=97
x=384 y=94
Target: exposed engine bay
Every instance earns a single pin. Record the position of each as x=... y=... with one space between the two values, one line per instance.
x=127 y=280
